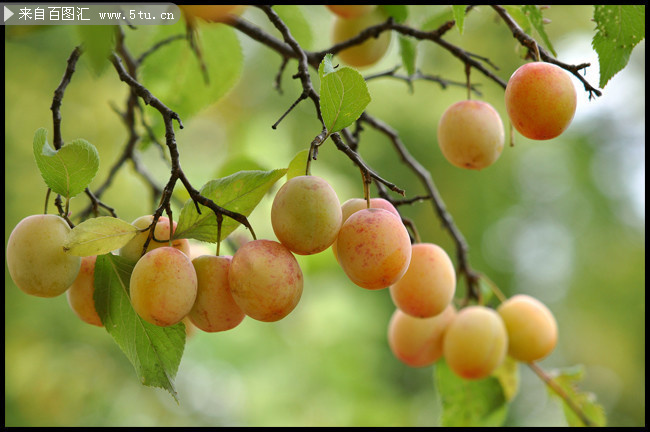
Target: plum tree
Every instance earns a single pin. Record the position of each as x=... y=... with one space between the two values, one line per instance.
x=374 y=248
x=36 y=260
x=133 y=249
x=353 y=205
x=163 y=286
x=306 y=215
x=265 y=280
x=470 y=134
x=211 y=13
x=476 y=342
x=429 y=283
x=214 y=308
x=418 y=342
x=80 y=294
x=368 y=52
x=351 y=11
x=541 y=100
x=532 y=329
x=326 y=107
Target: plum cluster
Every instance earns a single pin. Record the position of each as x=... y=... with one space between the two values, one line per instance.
x=262 y=279
x=540 y=99
x=475 y=340
x=171 y=283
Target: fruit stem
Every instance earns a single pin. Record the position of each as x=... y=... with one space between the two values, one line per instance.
x=536 y=52
x=219 y=222
x=561 y=393
x=468 y=69
x=494 y=288
x=366 y=190
x=47 y=199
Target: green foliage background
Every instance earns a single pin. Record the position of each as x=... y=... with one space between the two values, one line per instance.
x=563 y=220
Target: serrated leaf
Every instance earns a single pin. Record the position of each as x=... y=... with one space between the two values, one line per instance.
x=155 y=352
x=568 y=379
x=298 y=25
x=240 y=193
x=399 y=12
x=69 y=170
x=97 y=42
x=407 y=53
x=459 y=16
x=343 y=98
x=298 y=165
x=535 y=17
x=618 y=30
x=99 y=236
x=181 y=83
x=469 y=402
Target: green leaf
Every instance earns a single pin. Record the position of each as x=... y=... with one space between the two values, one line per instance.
x=343 y=97
x=239 y=162
x=69 y=170
x=459 y=16
x=154 y=351
x=240 y=193
x=618 y=30
x=407 y=52
x=469 y=403
x=437 y=19
x=325 y=67
x=298 y=165
x=298 y=25
x=99 y=236
x=534 y=14
x=585 y=401
x=508 y=376
x=519 y=16
x=174 y=73
x=399 y=12
x=97 y=42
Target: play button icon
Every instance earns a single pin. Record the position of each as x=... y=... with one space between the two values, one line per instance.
x=8 y=13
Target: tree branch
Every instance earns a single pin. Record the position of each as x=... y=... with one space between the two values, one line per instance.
x=462 y=249
x=532 y=45
x=176 y=172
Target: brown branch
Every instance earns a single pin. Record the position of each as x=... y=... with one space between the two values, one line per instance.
x=419 y=76
x=155 y=47
x=303 y=64
x=96 y=204
x=462 y=249
x=57 y=139
x=532 y=45
x=309 y=92
x=128 y=119
x=58 y=96
x=169 y=116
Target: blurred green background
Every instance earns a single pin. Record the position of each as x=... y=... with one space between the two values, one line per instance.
x=562 y=220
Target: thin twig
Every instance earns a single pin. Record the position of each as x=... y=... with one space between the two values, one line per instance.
x=58 y=96
x=169 y=116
